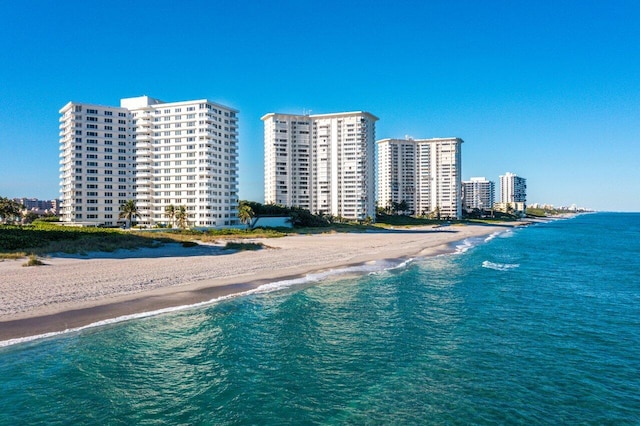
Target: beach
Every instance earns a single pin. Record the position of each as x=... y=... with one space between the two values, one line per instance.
x=74 y=291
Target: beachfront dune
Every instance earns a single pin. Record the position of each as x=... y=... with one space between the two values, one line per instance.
x=70 y=292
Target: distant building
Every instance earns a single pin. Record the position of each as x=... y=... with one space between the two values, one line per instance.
x=478 y=193
x=424 y=173
x=323 y=163
x=39 y=206
x=152 y=152
x=513 y=188
x=516 y=207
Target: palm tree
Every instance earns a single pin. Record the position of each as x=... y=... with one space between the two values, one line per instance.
x=128 y=211
x=509 y=209
x=436 y=213
x=245 y=214
x=170 y=212
x=181 y=217
x=403 y=206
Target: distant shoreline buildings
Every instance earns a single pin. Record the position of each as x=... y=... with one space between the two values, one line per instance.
x=40 y=207
x=185 y=154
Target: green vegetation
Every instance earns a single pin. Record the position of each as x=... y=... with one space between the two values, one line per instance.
x=234 y=245
x=401 y=220
x=9 y=210
x=12 y=256
x=246 y=214
x=299 y=217
x=42 y=237
x=128 y=211
x=33 y=261
x=546 y=212
x=170 y=212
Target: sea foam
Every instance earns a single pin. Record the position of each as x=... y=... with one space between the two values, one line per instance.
x=368 y=268
x=500 y=266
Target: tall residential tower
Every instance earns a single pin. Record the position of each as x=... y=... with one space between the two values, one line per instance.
x=323 y=163
x=424 y=173
x=513 y=188
x=155 y=153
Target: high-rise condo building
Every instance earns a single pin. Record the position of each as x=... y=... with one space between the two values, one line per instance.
x=424 y=173
x=513 y=188
x=478 y=193
x=323 y=163
x=155 y=153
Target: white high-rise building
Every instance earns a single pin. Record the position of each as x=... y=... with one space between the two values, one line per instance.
x=323 y=163
x=155 y=153
x=424 y=173
x=478 y=193
x=513 y=188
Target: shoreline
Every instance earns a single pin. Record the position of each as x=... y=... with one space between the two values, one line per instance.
x=74 y=292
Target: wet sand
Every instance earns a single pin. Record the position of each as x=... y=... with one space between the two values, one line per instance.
x=70 y=292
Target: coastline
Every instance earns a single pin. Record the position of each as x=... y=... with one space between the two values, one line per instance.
x=74 y=292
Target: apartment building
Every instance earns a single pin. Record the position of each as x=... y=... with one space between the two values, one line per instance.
x=156 y=153
x=478 y=193
x=323 y=163
x=424 y=173
x=513 y=188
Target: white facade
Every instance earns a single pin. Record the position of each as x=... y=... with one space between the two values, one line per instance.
x=478 y=193
x=97 y=161
x=425 y=173
x=323 y=163
x=513 y=188
x=156 y=153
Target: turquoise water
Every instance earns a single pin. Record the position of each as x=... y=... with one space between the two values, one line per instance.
x=539 y=325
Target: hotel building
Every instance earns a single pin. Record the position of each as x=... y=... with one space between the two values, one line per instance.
x=153 y=152
x=425 y=173
x=323 y=163
x=478 y=193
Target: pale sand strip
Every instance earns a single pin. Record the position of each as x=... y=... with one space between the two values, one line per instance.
x=72 y=292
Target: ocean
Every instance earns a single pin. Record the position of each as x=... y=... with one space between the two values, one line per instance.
x=535 y=325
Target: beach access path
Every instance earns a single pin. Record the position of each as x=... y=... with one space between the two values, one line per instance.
x=73 y=291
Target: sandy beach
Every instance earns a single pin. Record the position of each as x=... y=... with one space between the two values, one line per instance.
x=74 y=291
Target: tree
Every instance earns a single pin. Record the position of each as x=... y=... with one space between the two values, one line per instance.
x=170 y=212
x=128 y=211
x=9 y=209
x=246 y=214
x=403 y=207
x=181 y=217
x=509 y=208
x=436 y=213
x=30 y=217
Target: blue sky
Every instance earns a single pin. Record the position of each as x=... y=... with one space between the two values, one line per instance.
x=549 y=90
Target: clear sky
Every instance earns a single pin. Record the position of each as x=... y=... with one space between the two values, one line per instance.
x=549 y=90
